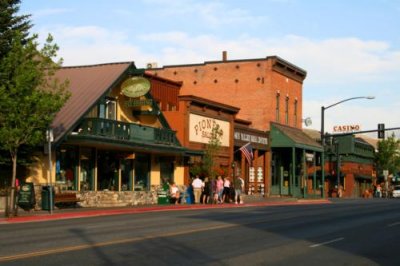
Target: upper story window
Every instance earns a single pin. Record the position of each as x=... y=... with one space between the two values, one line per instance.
x=295 y=113
x=108 y=109
x=287 y=110
x=277 y=106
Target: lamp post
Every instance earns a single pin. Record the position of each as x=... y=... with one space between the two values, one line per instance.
x=323 y=108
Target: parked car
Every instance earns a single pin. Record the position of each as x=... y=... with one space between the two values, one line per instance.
x=396 y=191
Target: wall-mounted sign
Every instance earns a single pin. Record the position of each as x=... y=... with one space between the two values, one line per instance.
x=346 y=128
x=250 y=138
x=200 y=129
x=135 y=87
x=139 y=103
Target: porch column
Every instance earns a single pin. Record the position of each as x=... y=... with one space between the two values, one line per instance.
x=256 y=191
x=267 y=174
x=293 y=170
x=304 y=176
x=315 y=173
x=243 y=172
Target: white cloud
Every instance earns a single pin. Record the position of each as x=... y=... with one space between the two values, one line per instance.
x=212 y=14
x=332 y=62
x=51 y=12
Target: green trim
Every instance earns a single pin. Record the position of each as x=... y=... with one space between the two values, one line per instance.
x=280 y=140
x=115 y=143
x=128 y=71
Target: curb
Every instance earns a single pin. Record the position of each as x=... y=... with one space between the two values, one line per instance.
x=157 y=208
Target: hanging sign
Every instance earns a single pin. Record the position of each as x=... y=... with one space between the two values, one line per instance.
x=135 y=87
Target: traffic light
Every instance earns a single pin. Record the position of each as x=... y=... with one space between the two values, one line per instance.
x=381 y=131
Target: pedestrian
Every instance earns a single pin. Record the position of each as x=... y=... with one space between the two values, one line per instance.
x=214 y=191
x=197 y=185
x=378 y=191
x=220 y=188
x=239 y=187
x=174 y=193
x=206 y=191
x=225 y=192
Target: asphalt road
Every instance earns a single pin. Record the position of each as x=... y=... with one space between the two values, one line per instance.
x=345 y=232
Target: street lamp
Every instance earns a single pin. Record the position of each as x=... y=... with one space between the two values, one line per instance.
x=323 y=108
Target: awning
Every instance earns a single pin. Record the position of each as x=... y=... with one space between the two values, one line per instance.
x=289 y=137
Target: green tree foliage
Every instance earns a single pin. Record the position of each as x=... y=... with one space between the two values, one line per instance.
x=388 y=155
x=207 y=166
x=11 y=24
x=213 y=147
x=30 y=96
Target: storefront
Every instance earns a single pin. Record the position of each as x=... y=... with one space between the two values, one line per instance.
x=111 y=137
x=296 y=159
x=194 y=122
x=255 y=171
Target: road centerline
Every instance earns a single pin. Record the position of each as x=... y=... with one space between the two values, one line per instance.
x=327 y=242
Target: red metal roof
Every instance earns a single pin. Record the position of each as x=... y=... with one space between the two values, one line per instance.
x=86 y=84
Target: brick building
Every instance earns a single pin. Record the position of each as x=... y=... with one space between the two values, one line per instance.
x=266 y=90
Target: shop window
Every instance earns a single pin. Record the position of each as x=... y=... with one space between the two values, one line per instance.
x=87 y=162
x=142 y=172
x=127 y=174
x=66 y=167
x=167 y=169
x=107 y=171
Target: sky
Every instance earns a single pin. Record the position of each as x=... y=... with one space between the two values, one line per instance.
x=349 y=48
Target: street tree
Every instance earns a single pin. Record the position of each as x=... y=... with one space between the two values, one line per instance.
x=388 y=155
x=29 y=97
x=12 y=24
x=211 y=152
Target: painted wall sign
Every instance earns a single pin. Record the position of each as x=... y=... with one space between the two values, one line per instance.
x=135 y=87
x=200 y=129
x=250 y=138
x=346 y=128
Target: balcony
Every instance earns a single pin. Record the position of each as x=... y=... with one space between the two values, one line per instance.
x=112 y=129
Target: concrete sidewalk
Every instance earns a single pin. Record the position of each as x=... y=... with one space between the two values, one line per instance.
x=73 y=213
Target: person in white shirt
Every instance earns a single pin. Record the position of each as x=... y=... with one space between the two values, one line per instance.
x=174 y=193
x=197 y=185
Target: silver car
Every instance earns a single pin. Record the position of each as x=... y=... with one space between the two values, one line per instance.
x=396 y=191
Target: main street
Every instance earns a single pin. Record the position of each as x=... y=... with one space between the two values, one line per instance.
x=345 y=232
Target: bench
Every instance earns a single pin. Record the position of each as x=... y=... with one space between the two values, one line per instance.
x=65 y=199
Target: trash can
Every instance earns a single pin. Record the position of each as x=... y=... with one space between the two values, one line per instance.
x=162 y=197
x=46 y=198
x=189 y=195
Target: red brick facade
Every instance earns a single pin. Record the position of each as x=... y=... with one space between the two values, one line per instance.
x=253 y=85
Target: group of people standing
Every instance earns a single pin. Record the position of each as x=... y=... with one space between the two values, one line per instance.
x=218 y=190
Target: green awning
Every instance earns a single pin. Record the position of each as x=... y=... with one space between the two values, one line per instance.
x=289 y=137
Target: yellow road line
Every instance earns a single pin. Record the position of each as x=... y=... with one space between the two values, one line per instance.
x=108 y=243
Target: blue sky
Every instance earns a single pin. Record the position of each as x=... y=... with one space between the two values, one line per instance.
x=348 y=48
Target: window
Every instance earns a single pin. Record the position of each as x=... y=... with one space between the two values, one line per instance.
x=277 y=107
x=295 y=113
x=287 y=110
x=111 y=109
x=108 y=109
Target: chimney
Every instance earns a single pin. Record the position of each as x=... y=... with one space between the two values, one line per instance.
x=224 y=55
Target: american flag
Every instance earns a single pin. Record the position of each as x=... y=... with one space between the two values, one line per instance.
x=248 y=152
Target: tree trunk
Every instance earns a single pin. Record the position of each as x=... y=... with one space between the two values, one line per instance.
x=13 y=190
